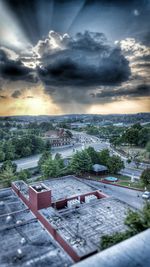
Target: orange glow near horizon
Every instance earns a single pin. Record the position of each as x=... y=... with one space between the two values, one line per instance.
x=35 y=102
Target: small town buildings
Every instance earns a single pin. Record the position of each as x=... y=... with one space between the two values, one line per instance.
x=58 y=137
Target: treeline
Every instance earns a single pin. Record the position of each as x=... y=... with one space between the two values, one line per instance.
x=24 y=146
x=105 y=132
x=80 y=163
x=13 y=129
x=135 y=135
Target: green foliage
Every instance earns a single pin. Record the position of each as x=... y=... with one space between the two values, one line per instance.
x=104 y=156
x=7 y=176
x=148 y=147
x=24 y=146
x=9 y=150
x=50 y=168
x=81 y=163
x=24 y=175
x=2 y=154
x=137 y=126
x=115 y=164
x=145 y=178
x=108 y=241
x=115 y=141
x=59 y=160
x=8 y=164
x=47 y=145
x=94 y=155
x=45 y=156
x=135 y=135
x=92 y=130
x=131 y=136
x=144 y=136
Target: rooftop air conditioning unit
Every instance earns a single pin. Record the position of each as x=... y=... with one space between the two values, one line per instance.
x=73 y=203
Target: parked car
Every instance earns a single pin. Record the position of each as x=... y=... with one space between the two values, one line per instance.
x=146 y=195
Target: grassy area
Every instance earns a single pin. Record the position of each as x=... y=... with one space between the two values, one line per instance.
x=137 y=185
x=122 y=180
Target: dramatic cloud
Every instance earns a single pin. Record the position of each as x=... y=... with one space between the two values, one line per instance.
x=83 y=70
x=136 y=49
x=86 y=60
x=14 y=70
x=141 y=90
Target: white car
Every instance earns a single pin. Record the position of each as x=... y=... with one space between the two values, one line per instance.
x=146 y=195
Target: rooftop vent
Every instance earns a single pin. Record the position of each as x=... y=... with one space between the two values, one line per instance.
x=19 y=253
x=1 y=203
x=22 y=241
x=8 y=218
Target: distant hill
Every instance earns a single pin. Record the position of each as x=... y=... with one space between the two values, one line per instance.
x=114 y=118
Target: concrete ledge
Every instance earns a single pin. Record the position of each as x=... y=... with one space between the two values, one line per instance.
x=133 y=252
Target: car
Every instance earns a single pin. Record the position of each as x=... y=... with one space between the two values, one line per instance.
x=146 y=195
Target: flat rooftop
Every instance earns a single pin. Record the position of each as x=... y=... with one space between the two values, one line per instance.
x=80 y=228
x=66 y=187
x=24 y=242
x=83 y=227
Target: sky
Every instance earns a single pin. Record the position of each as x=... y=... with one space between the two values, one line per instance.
x=74 y=56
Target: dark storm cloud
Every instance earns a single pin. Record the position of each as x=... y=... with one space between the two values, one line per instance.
x=16 y=94
x=86 y=60
x=140 y=90
x=14 y=70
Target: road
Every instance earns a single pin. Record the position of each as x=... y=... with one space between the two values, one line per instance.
x=85 y=141
x=131 y=197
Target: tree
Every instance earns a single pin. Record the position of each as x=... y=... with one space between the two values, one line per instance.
x=50 y=168
x=7 y=176
x=2 y=154
x=148 y=149
x=24 y=175
x=59 y=160
x=92 y=130
x=137 y=126
x=9 y=150
x=131 y=136
x=144 y=137
x=10 y=164
x=93 y=155
x=115 y=141
x=145 y=178
x=81 y=162
x=104 y=156
x=136 y=222
x=110 y=240
x=115 y=164
x=48 y=145
x=45 y=156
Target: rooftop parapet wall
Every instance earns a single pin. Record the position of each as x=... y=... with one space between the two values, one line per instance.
x=60 y=204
